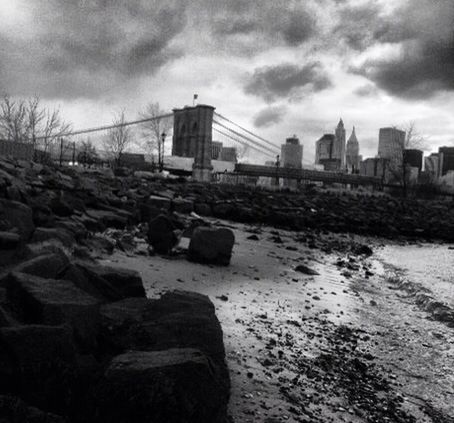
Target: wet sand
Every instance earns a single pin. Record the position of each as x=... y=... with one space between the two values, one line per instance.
x=341 y=346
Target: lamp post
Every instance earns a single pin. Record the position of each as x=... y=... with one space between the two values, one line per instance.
x=161 y=159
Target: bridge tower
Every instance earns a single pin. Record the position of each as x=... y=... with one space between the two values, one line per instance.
x=192 y=137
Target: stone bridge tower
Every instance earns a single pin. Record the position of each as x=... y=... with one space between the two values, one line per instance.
x=192 y=137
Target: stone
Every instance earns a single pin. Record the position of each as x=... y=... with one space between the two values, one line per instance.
x=46 y=265
x=44 y=234
x=9 y=240
x=14 y=410
x=55 y=302
x=111 y=219
x=203 y=209
x=211 y=245
x=302 y=268
x=19 y=216
x=172 y=386
x=125 y=281
x=162 y=234
x=162 y=203
x=38 y=362
x=182 y=205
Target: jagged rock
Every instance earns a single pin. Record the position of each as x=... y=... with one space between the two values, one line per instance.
x=203 y=209
x=172 y=386
x=125 y=281
x=302 y=268
x=46 y=266
x=9 y=240
x=211 y=245
x=118 y=219
x=162 y=234
x=55 y=302
x=361 y=249
x=44 y=234
x=181 y=205
x=37 y=362
x=14 y=410
x=19 y=216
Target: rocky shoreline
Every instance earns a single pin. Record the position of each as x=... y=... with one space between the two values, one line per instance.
x=80 y=341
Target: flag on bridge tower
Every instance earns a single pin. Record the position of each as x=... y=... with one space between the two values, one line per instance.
x=194 y=101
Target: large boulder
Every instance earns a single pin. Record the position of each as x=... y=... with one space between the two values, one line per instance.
x=63 y=235
x=211 y=245
x=125 y=281
x=162 y=234
x=14 y=410
x=50 y=265
x=38 y=363
x=55 y=302
x=18 y=216
x=9 y=240
x=172 y=386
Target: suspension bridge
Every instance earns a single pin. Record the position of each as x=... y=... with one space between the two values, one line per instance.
x=192 y=130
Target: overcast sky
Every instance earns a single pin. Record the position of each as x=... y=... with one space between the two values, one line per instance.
x=277 y=67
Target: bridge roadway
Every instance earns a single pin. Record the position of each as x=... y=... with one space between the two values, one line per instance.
x=306 y=174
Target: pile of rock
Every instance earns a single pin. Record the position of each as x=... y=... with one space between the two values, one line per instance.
x=80 y=341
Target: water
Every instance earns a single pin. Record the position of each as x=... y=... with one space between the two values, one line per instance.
x=430 y=265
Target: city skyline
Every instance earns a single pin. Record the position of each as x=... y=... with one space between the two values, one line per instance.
x=276 y=68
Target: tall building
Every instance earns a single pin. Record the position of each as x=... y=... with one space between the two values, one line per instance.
x=431 y=165
x=292 y=153
x=413 y=158
x=352 y=157
x=324 y=153
x=216 y=148
x=391 y=142
x=292 y=157
x=339 y=144
x=228 y=154
x=446 y=160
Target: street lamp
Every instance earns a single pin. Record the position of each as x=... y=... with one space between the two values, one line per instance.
x=161 y=159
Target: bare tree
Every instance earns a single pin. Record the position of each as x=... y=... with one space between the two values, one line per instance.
x=27 y=121
x=118 y=139
x=152 y=130
x=399 y=166
x=87 y=153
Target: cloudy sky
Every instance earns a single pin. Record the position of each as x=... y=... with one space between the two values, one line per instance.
x=277 y=67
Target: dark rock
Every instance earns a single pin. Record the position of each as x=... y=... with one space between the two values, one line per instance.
x=210 y=245
x=44 y=234
x=181 y=205
x=253 y=237
x=125 y=281
x=46 y=266
x=9 y=240
x=172 y=386
x=162 y=235
x=203 y=209
x=19 y=216
x=60 y=207
x=14 y=410
x=306 y=270
x=361 y=249
x=55 y=302
x=161 y=203
x=38 y=362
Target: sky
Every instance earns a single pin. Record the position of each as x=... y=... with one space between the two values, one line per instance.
x=276 y=67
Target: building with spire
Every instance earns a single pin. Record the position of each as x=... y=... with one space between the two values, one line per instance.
x=339 y=144
x=352 y=157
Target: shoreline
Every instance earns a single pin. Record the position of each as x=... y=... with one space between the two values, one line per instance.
x=272 y=316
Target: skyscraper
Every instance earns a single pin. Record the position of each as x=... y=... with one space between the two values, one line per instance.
x=339 y=144
x=391 y=143
x=352 y=157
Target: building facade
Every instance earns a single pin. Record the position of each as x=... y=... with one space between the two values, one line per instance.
x=228 y=154
x=431 y=165
x=446 y=160
x=339 y=144
x=391 y=142
x=352 y=157
x=216 y=147
x=292 y=157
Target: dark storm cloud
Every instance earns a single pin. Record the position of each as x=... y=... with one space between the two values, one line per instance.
x=279 y=22
x=287 y=80
x=82 y=48
x=269 y=116
x=424 y=32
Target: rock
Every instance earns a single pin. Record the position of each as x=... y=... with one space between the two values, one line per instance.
x=14 y=410
x=60 y=207
x=112 y=219
x=161 y=203
x=306 y=270
x=44 y=234
x=8 y=240
x=46 y=266
x=203 y=209
x=361 y=249
x=38 y=362
x=19 y=216
x=162 y=235
x=55 y=302
x=125 y=281
x=181 y=205
x=172 y=386
x=211 y=245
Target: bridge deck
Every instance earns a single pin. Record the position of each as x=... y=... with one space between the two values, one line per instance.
x=306 y=174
